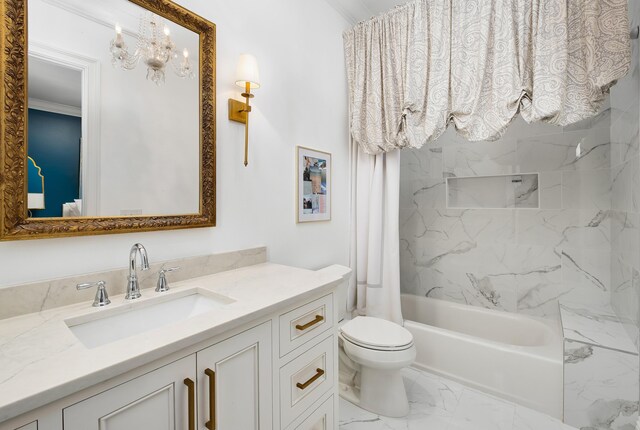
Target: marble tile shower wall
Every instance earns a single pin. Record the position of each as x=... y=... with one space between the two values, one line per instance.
x=625 y=201
x=516 y=260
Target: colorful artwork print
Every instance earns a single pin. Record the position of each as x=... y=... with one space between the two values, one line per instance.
x=314 y=172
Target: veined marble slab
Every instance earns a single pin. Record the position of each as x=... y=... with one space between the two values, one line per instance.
x=600 y=387
x=599 y=327
x=586 y=149
x=40 y=296
x=625 y=294
x=439 y=404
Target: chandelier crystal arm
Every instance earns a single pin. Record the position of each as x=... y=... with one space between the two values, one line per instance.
x=154 y=47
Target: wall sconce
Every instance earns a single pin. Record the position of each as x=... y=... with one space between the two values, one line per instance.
x=247 y=77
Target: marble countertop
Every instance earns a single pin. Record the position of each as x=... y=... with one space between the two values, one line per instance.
x=42 y=361
x=595 y=326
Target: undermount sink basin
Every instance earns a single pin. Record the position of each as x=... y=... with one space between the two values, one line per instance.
x=132 y=319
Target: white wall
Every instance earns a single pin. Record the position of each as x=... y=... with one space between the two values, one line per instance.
x=303 y=101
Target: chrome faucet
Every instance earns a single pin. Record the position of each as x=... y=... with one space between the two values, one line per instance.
x=133 y=288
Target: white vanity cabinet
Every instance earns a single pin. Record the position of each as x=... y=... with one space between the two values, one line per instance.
x=278 y=372
x=234 y=382
x=157 y=400
x=306 y=366
x=321 y=418
x=237 y=371
x=305 y=379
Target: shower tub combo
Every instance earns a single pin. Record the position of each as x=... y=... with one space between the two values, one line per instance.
x=512 y=356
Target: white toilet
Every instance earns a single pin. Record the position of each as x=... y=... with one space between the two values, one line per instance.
x=373 y=352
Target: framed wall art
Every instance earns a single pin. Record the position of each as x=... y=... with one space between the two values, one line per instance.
x=314 y=185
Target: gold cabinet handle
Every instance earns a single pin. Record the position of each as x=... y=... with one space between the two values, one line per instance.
x=319 y=373
x=316 y=320
x=211 y=424
x=192 y=403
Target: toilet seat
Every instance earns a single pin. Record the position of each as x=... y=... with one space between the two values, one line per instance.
x=377 y=334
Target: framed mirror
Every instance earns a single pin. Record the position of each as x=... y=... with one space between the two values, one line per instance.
x=108 y=123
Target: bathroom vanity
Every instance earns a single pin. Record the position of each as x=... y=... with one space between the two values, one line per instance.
x=253 y=348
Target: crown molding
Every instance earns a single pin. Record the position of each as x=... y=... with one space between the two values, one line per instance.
x=54 y=107
x=99 y=17
x=353 y=11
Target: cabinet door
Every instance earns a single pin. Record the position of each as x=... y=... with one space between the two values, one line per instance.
x=157 y=400
x=320 y=419
x=237 y=372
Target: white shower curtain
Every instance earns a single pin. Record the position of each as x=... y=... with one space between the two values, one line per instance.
x=375 y=248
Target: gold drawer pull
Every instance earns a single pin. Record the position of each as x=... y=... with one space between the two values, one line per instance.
x=211 y=424
x=319 y=373
x=316 y=320
x=192 y=403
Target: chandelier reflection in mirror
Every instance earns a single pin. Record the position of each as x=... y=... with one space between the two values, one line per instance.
x=154 y=47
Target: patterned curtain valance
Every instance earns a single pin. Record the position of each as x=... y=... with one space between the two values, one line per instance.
x=477 y=64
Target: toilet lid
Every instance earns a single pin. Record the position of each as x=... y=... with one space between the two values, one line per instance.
x=376 y=333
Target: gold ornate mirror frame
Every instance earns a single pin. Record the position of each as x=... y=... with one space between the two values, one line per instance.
x=14 y=221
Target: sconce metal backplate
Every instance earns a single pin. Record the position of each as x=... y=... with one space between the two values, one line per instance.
x=237 y=111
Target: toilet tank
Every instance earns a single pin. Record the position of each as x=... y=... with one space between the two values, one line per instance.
x=343 y=289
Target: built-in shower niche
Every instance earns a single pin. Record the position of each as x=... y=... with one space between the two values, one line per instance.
x=494 y=192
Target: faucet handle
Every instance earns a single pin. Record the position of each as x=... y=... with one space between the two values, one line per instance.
x=163 y=285
x=102 y=298
x=170 y=269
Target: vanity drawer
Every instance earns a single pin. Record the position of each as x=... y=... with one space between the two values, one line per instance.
x=305 y=379
x=305 y=323
x=319 y=419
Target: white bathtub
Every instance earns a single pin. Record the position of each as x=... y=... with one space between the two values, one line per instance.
x=512 y=356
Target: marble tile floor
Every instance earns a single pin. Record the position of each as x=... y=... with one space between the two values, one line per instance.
x=439 y=404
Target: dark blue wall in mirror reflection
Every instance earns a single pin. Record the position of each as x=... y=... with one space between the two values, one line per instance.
x=54 y=144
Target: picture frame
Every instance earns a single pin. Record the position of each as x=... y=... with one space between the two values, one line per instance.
x=313 y=185
x=15 y=222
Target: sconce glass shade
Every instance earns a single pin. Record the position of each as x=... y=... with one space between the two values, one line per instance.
x=247 y=71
